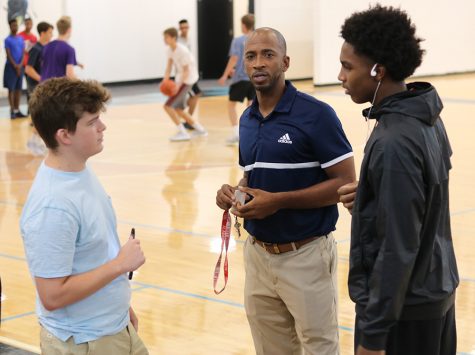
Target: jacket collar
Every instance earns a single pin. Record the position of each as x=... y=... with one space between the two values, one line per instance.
x=419 y=101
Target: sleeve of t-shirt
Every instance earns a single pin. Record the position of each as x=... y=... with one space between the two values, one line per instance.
x=71 y=57
x=329 y=140
x=7 y=44
x=234 y=49
x=34 y=57
x=184 y=58
x=50 y=242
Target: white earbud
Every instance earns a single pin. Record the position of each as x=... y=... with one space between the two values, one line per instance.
x=373 y=71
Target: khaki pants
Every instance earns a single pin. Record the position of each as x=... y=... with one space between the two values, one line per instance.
x=291 y=298
x=126 y=342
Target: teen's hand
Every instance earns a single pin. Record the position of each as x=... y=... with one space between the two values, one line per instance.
x=134 y=319
x=225 y=197
x=347 y=195
x=263 y=204
x=364 y=351
x=222 y=80
x=131 y=256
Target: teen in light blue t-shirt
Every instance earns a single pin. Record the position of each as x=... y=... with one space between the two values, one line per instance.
x=69 y=227
x=69 y=231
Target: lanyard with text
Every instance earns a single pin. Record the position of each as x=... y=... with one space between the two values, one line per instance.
x=225 y=236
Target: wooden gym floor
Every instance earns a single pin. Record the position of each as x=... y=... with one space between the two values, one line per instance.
x=167 y=192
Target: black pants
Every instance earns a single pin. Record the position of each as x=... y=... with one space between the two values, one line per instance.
x=421 y=337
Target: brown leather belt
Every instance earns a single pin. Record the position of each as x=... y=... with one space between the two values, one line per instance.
x=273 y=248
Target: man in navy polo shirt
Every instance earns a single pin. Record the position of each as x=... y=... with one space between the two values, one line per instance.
x=295 y=156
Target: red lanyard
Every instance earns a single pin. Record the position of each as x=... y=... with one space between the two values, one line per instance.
x=225 y=236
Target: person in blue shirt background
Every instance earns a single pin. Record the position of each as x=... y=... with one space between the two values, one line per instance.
x=295 y=156
x=240 y=88
x=13 y=72
x=69 y=230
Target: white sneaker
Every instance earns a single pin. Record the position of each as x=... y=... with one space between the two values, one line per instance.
x=199 y=132
x=180 y=136
x=233 y=140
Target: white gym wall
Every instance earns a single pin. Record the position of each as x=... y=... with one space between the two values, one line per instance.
x=447 y=27
x=120 y=40
x=294 y=19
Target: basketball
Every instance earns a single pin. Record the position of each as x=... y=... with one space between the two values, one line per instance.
x=167 y=87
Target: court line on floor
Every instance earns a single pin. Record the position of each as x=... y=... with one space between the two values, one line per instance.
x=195 y=234
x=462 y=212
x=147 y=286
x=17 y=316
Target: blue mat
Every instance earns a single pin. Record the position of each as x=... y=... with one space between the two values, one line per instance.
x=215 y=91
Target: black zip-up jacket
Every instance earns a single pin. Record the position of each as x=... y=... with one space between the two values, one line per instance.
x=402 y=261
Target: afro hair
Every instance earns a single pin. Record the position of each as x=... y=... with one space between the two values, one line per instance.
x=387 y=36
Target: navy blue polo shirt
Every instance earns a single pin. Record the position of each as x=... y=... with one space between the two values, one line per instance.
x=287 y=151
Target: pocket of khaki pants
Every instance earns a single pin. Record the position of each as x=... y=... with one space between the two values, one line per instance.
x=45 y=337
x=326 y=253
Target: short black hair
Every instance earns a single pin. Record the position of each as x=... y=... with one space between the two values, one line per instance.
x=387 y=36
x=43 y=27
x=11 y=21
x=182 y=21
x=278 y=35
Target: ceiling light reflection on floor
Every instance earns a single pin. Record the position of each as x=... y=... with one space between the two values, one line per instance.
x=215 y=245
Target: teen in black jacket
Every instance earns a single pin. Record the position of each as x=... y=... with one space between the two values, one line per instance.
x=403 y=272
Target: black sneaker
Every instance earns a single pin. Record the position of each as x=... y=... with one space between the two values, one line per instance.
x=15 y=115
x=19 y=114
x=188 y=126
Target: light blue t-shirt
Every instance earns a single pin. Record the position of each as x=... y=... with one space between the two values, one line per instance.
x=68 y=227
x=237 y=49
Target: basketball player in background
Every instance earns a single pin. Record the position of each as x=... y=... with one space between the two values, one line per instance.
x=241 y=87
x=195 y=92
x=30 y=39
x=33 y=78
x=59 y=57
x=186 y=75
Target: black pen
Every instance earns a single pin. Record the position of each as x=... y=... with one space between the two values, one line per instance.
x=132 y=234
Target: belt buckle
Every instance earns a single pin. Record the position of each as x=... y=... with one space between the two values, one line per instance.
x=271 y=248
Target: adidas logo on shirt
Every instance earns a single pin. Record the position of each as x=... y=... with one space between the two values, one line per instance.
x=285 y=139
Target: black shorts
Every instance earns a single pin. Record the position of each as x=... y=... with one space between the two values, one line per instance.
x=241 y=90
x=195 y=90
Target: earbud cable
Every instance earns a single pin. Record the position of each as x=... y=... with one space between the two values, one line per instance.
x=369 y=111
